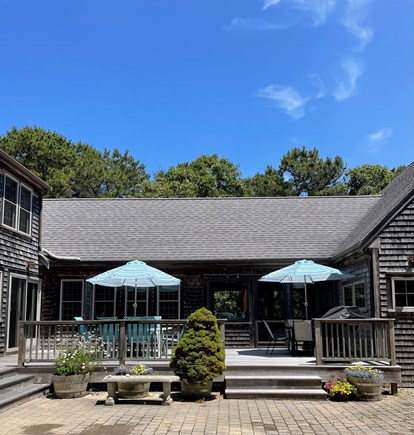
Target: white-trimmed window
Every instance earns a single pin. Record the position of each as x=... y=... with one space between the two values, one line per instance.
x=354 y=294
x=403 y=292
x=17 y=206
x=71 y=299
x=169 y=302
x=104 y=301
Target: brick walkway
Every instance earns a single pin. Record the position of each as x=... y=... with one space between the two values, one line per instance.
x=88 y=415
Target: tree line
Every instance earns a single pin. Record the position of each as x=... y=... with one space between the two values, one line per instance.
x=80 y=170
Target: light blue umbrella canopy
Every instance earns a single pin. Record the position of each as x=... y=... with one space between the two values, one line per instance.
x=134 y=274
x=305 y=272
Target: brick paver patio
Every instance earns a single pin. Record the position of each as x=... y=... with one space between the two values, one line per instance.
x=88 y=415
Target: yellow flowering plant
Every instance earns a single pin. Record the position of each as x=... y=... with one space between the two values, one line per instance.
x=340 y=387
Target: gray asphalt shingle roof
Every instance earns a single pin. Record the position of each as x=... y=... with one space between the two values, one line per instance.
x=202 y=229
x=400 y=190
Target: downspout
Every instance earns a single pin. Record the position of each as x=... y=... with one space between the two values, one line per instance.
x=59 y=257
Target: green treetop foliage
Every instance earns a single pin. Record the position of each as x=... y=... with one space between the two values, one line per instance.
x=75 y=169
x=47 y=154
x=270 y=183
x=80 y=170
x=308 y=174
x=206 y=176
x=370 y=179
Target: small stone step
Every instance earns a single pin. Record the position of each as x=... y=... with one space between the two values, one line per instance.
x=13 y=394
x=282 y=393
x=260 y=382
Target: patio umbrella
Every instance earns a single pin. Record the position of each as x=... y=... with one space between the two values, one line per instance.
x=134 y=274
x=305 y=272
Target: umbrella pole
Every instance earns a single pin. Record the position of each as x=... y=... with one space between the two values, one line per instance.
x=306 y=301
x=135 y=299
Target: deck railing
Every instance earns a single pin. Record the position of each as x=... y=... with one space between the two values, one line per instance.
x=355 y=340
x=122 y=339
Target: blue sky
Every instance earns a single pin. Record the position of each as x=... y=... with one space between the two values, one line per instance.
x=170 y=80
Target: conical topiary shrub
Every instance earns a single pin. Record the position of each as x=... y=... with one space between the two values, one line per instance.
x=199 y=356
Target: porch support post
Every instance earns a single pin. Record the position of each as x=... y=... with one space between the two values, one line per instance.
x=22 y=346
x=122 y=343
x=318 y=342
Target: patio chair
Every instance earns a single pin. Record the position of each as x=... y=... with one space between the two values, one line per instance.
x=110 y=334
x=302 y=333
x=143 y=337
x=275 y=339
x=82 y=328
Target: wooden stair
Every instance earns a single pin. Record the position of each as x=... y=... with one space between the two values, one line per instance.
x=15 y=387
x=274 y=387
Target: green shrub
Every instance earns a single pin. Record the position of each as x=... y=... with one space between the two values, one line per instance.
x=199 y=356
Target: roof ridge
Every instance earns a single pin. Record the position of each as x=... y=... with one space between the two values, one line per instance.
x=214 y=198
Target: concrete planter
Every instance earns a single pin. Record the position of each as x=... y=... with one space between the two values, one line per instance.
x=128 y=389
x=69 y=387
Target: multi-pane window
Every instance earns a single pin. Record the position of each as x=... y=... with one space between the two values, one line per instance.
x=71 y=299
x=17 y=206
x=169 y=302
x=104 y=301
x=354 y=294
x=403 y=292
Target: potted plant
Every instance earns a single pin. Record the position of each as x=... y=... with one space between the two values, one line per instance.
x=127 y=386
x=367 y=379
x=199 y=356
x=339 y=389
x=77 y=359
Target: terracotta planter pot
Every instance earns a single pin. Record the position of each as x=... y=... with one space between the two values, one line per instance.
x=196 y=391
x=128 y=390
x=69 y=387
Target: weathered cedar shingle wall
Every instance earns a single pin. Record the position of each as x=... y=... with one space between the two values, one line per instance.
x=15 y=251
x=396 y=243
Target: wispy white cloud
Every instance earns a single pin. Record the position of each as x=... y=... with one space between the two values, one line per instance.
x=380 y=135
x=356 y=13
x=318 y=84
x=318 y=10
x=255 y=24
x=285 y=98
x=269 y=3
x=346 y=88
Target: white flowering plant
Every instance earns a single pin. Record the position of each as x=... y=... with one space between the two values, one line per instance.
x=80 y=355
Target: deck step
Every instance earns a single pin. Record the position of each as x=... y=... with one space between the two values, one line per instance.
x=274 y=387
x=15 y=387
x=15 y=393
x=271 y=393
x=253 y=382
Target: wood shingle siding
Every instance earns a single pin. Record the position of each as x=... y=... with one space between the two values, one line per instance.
x=396 y=243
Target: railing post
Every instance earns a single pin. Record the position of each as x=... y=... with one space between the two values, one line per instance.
x=22 y=346
x=318 y=342
x=391 y=342
x=122 y=343
x=222 y=328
